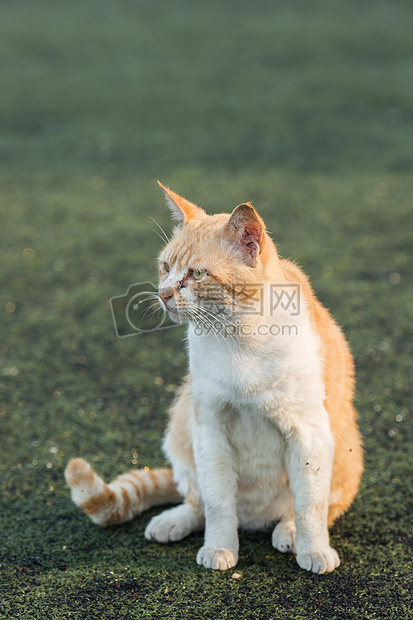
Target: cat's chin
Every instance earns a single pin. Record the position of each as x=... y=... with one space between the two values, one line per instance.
x=177 y=317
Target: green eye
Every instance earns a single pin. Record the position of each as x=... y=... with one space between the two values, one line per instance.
x=198 y=273
x=166 y=267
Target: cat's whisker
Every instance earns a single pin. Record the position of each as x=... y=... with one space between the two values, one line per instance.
x=196 y=319
x=152 y=297
x=193 y=311
x=164 y=236
x=212 y=327
x=223 y=321
x=203 y=322
x=209 y=319
x=153 y=313
x=161 y=245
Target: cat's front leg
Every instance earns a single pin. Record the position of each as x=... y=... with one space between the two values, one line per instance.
x=218 y=486
x=309 y=461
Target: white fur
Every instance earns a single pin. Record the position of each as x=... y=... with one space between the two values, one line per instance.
x=262 y=443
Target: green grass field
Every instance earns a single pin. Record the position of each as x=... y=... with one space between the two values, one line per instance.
x=306 y=109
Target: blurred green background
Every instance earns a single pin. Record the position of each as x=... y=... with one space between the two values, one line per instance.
x=305 y=108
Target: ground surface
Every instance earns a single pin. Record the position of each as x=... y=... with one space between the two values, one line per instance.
x=304 y=108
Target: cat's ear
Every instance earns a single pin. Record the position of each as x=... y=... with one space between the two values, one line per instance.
x=246 y=230
x=182 y=210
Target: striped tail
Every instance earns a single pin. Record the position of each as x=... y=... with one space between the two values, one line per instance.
x=124 y=498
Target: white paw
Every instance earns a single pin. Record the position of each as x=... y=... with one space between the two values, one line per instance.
x=170 y=526
x=217 y=559
x=283 y=537
x=323 y=560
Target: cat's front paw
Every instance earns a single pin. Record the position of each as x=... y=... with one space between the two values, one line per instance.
x=217 y=559
x=323 y=560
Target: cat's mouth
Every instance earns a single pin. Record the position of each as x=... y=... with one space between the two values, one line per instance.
x=177 y=315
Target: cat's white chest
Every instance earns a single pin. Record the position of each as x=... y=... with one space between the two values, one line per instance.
x=266 y=379
x=281 y=380
x=234 y=373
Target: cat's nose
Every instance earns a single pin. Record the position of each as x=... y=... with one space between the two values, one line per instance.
x=166 y=293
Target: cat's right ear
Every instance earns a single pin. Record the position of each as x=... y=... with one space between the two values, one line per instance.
x=246 y=231
x=182 y=210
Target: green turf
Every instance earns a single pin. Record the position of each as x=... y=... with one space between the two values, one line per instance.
x=306 y=109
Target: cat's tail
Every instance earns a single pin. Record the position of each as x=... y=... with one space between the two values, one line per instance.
x=124 y=498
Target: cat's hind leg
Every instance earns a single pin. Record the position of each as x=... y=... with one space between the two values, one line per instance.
x=283 y=536
x=178 y=522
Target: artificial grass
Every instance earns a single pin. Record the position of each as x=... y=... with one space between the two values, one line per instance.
x=304 y=109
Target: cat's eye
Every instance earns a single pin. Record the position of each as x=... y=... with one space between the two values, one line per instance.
x=166 y=267
x=197 y=274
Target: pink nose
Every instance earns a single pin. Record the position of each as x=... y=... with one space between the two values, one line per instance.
x=165 y=294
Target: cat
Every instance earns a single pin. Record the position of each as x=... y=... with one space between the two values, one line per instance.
x=263 y=432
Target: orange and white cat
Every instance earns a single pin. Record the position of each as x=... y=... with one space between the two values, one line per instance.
x=263 y=433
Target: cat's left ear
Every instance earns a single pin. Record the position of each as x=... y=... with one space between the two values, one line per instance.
x=182 y=210
x=246 y=229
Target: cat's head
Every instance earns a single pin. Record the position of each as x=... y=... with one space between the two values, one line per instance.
x=213 y=263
